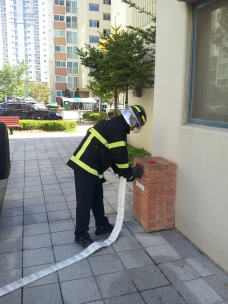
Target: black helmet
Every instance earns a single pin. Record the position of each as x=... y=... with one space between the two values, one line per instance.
x=135 y=116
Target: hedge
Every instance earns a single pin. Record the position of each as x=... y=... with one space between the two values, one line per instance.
x=94 y=117
x=47 y=125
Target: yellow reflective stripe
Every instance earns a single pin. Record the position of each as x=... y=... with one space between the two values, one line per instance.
x=99 y=137
x=86 y=167
x=122 y=166
x=117 y=144
x=85 y=145
x=137 y=108
x=143 y=118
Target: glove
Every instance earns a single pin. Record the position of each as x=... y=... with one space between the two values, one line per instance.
x=132 y=177
x=137 y=172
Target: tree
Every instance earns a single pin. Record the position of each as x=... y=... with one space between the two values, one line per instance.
x=96 y=90
x=76 y=92
x=123 y=62
x=67 y=93
x=39 y=91
x=13 y=80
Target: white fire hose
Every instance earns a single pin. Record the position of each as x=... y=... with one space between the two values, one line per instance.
x=78 y=257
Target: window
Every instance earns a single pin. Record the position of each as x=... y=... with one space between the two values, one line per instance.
x=94 y=7
x=60 y=64
x=107 y=2
x=106 y=32
x=106 y=16
x=72 y=37
x=73 y=82
x=71 y=22
x=59 y=33
x=72 y=68
x=60 y=93
x=93 y=39
x=60 y=48
x=93 y=23
x=209 y=78
x=59 y=18
x=59 y=2
x=71 y=53
x=15 y=106
x=61 y=79
x=71 y=7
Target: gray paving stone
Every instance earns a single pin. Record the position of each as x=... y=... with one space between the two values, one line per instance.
x=73 y=214
x=11 y=260
x=78 y=270
x=70 y=197
x=163 y=253
x=36 y=241
x=50 y=187
x=125 y=243
x=124 y=231
x=108 y=209
x=15 y=185
x=38 y=256
x=111 y=192
x=203 y=265
x=178 y=271
x=32 y=178
x=108 y=187
x=49 y=181
x=35 y=218
x=45 y=294
x=54 y=199
x=35 y=188
x=135 y=258
x=115 y=284
x=72 y=291
x=105 y=264
x=134 y=298
x=34 y=229
x=59 y=215
x=61 y=238
x=105 y=250
x=127 y=207
x=14 y=190
x=128 y=217
x=219 y=282
x=9 y=276
x=48 y=193
x=185 y=249
x=57 y=206
x=50 y=279
x=68 y=191
x=62 y=225
x=32 y=174
x=63 y=252
x=134 y=227
x=198 y=292
x=172 y=236
x=67 y=185
x=150 y=239
x=166 y=295
x=12 y=298
x=33 y=194
x=147 y=277
x=12 y=204
x=13 y=197
x=12 y=212
x=11 y=221
x=10 y=232
x=34 y=201
x=35 y=209
x=11 y=245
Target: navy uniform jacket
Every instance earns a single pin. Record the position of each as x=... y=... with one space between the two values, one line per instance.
x=104 y=146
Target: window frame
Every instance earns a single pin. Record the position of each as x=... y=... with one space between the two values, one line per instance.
x=198 y=6
x=106 y=14
x=94 y=10
x=93 y=37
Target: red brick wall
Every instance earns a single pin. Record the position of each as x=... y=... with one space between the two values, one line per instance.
x=153 y=205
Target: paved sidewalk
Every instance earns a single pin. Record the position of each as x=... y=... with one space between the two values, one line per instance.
x=36 y=230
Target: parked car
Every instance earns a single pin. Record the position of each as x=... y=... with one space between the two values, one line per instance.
x=96 y=107
x=27 y=111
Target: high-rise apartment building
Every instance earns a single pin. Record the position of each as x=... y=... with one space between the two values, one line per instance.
x=23 y=36
x=70 y=24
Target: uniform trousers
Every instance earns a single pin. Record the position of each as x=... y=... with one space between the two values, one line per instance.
x=89 y=195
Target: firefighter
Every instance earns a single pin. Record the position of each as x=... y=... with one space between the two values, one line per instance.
x=104 y=146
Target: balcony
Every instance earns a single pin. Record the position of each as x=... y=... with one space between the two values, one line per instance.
x=71 y=25
x=72 y=85
x=72 y=56
x=71 y=10
x=72 y=40
x=72 y=71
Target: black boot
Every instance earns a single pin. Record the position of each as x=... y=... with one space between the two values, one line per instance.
x=104 y=229
x=83 y=239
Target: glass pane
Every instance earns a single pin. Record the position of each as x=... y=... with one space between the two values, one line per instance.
x=69 y=49
x=62 y=18
x=56 y=17
x=74 y=4
x=56 y=33
x=75 y=34
x=69 y=34
x=210 y=79
x=68 y=4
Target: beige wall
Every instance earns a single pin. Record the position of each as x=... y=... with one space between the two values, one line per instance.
x=199 y=151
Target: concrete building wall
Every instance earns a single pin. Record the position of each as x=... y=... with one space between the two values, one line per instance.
x=199 y=151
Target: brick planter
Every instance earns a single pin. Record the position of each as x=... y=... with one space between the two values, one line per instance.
x=154 y=194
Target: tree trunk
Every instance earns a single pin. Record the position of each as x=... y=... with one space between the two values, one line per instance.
x=126 y=101
x=100 y=103
x=115 y=105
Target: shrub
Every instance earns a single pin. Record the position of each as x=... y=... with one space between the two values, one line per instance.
x=94 y=117
x=47 y=125
x=136 y=152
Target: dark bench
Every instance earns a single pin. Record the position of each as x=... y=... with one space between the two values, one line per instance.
x=11 y=122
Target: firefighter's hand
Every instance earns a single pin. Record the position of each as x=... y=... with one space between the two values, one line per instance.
x=131 y=178
x=137 y=172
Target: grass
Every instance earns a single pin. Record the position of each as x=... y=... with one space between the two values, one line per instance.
x=136 y=152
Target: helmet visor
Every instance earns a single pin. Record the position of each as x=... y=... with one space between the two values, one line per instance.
x=137 y=129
